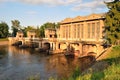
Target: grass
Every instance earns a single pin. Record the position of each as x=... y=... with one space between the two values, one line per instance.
x=115 y=52
x=3 y=39
x=112 y=72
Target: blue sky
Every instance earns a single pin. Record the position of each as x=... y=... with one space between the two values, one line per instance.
x=38 y=12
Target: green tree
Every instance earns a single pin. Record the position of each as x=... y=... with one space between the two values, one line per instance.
x=57 y=25
x=37 y=31
x=4 y=30
x=112 y=21
x=15 y=27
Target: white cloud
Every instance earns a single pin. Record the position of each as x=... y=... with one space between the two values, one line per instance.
x=51 y=2
x=89 y=5
x=3 y=1
x=75 y=4
x=45 y=2
x=6 y=0
x=93 y=5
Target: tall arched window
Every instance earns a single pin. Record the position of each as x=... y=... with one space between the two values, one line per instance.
x=98 y=30
x=82 y=31
x=88 y=25
x=78 y=31
x=75 y=31
x=93 y=30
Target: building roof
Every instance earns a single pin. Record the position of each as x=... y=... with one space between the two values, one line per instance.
x=84 y=18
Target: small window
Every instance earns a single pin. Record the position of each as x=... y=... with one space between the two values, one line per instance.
x=50 y=36
x=31 y=36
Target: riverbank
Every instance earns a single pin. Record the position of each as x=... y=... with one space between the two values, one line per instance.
x=107 y=67
x=4 y=42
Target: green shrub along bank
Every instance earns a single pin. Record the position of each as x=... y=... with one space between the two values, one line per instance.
x=111 y=72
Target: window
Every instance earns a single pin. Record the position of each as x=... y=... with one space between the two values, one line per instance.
x=50 y=36
x=74 y=31
x=66 y=31
x=69 y=31
x=78 y=31
x=88 y=25
x=93 y=30
x=63 y=31
x=98 y=30
x=31 y=36
x=82 y=30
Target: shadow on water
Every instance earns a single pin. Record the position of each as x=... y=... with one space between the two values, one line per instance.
x=3 y=51
x=65 y=66
x=22 y=63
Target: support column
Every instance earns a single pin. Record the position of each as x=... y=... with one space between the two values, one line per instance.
x=54 y=45
x=97 y=49
x=68 y=46
x=23 y=42
x=81 y=49
x=51 y=46
x=40 y=44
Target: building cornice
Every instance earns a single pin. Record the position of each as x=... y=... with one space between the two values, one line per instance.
x=77 y=19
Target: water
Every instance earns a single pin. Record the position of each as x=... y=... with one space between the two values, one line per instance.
x=21 y=64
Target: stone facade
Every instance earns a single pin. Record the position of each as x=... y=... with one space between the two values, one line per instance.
x=82 y=33
x=19 y=35
x=50 y=33
x=31 y=34
x=86 y=28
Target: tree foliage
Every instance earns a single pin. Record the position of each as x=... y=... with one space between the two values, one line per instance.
x=37 y=31
x=40 y=31
x=3 y=30
x=15 y=27
x=112 y=21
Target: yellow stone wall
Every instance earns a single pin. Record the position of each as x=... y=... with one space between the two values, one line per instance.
x=19 y=35
x=82 y=29
x=87 y=28
x=31 y=34
x=50 y=33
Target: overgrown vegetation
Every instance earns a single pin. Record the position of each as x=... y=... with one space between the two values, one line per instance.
x=2 y=52
x=115 y=52
x=111 y=72
x=3 y=30
x=15 y=27
x=112 y=21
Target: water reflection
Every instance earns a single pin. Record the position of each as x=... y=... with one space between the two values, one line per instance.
x=65 y=66
x=2 y=51
x=19 y=64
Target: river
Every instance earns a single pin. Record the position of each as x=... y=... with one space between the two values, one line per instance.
x=21 y=64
